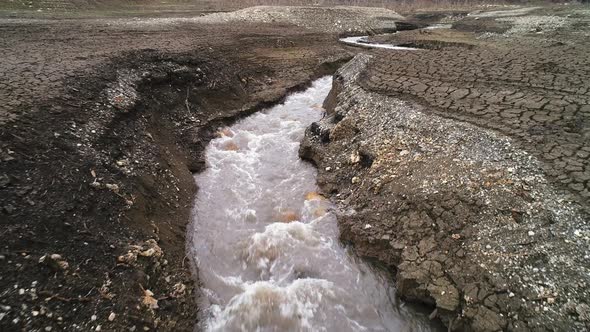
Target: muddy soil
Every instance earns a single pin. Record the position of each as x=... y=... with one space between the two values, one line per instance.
x=103 y=123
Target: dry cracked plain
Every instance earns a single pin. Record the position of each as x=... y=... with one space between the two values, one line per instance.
x=463 y=167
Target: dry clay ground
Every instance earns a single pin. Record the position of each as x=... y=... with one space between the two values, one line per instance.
x=464 y=166
x=104 y=120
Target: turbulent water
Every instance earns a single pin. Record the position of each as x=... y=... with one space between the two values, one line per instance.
x=266 y=244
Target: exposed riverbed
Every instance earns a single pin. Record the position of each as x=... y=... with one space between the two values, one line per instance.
x=266 y=243
x=363 y=41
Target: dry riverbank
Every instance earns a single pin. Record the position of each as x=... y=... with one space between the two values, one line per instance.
x=464 y=168
x=99 y=142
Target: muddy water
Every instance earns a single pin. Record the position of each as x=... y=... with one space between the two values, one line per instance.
x=363 y=41
x=266 y=244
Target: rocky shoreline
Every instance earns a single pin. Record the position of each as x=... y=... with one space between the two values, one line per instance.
x=465 y=218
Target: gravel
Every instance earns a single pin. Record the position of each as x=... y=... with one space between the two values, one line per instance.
x=528 y=24
x=472 y=223
x=326 y=19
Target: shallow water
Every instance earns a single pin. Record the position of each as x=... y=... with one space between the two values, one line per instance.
x=362 y=41
x=266 y=243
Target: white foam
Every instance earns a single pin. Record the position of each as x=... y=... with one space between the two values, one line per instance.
x=264 y=306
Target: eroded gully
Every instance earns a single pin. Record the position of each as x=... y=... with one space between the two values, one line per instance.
x=266 y=243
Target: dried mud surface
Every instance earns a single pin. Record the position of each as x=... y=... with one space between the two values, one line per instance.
x=464 y=167
x=102 y=125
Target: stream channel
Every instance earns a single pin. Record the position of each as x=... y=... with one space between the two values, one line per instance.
x=266 y=243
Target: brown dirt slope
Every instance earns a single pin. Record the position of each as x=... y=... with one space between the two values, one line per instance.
x=103 y=122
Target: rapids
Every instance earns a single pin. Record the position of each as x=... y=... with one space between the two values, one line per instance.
x=266 y=243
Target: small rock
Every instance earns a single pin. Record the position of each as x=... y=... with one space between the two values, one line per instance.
x=112 y=317
x=55 y=261
x=179 y=290
x=122 y=162
x=113 y=187
x=583 y=311
x=531 y=233
x=355 y=180
x=148 y=300
x=128 y=258
x=148 y=253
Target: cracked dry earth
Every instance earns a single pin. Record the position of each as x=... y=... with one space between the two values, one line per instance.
x=465 y=169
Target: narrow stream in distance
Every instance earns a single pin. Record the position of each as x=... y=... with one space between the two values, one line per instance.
x=363 y=41
x=266 y=243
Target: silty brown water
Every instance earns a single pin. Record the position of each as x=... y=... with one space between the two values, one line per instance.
x=266 y=243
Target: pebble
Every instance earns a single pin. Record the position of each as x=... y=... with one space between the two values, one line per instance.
x=112 y=317
x=531 y=233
